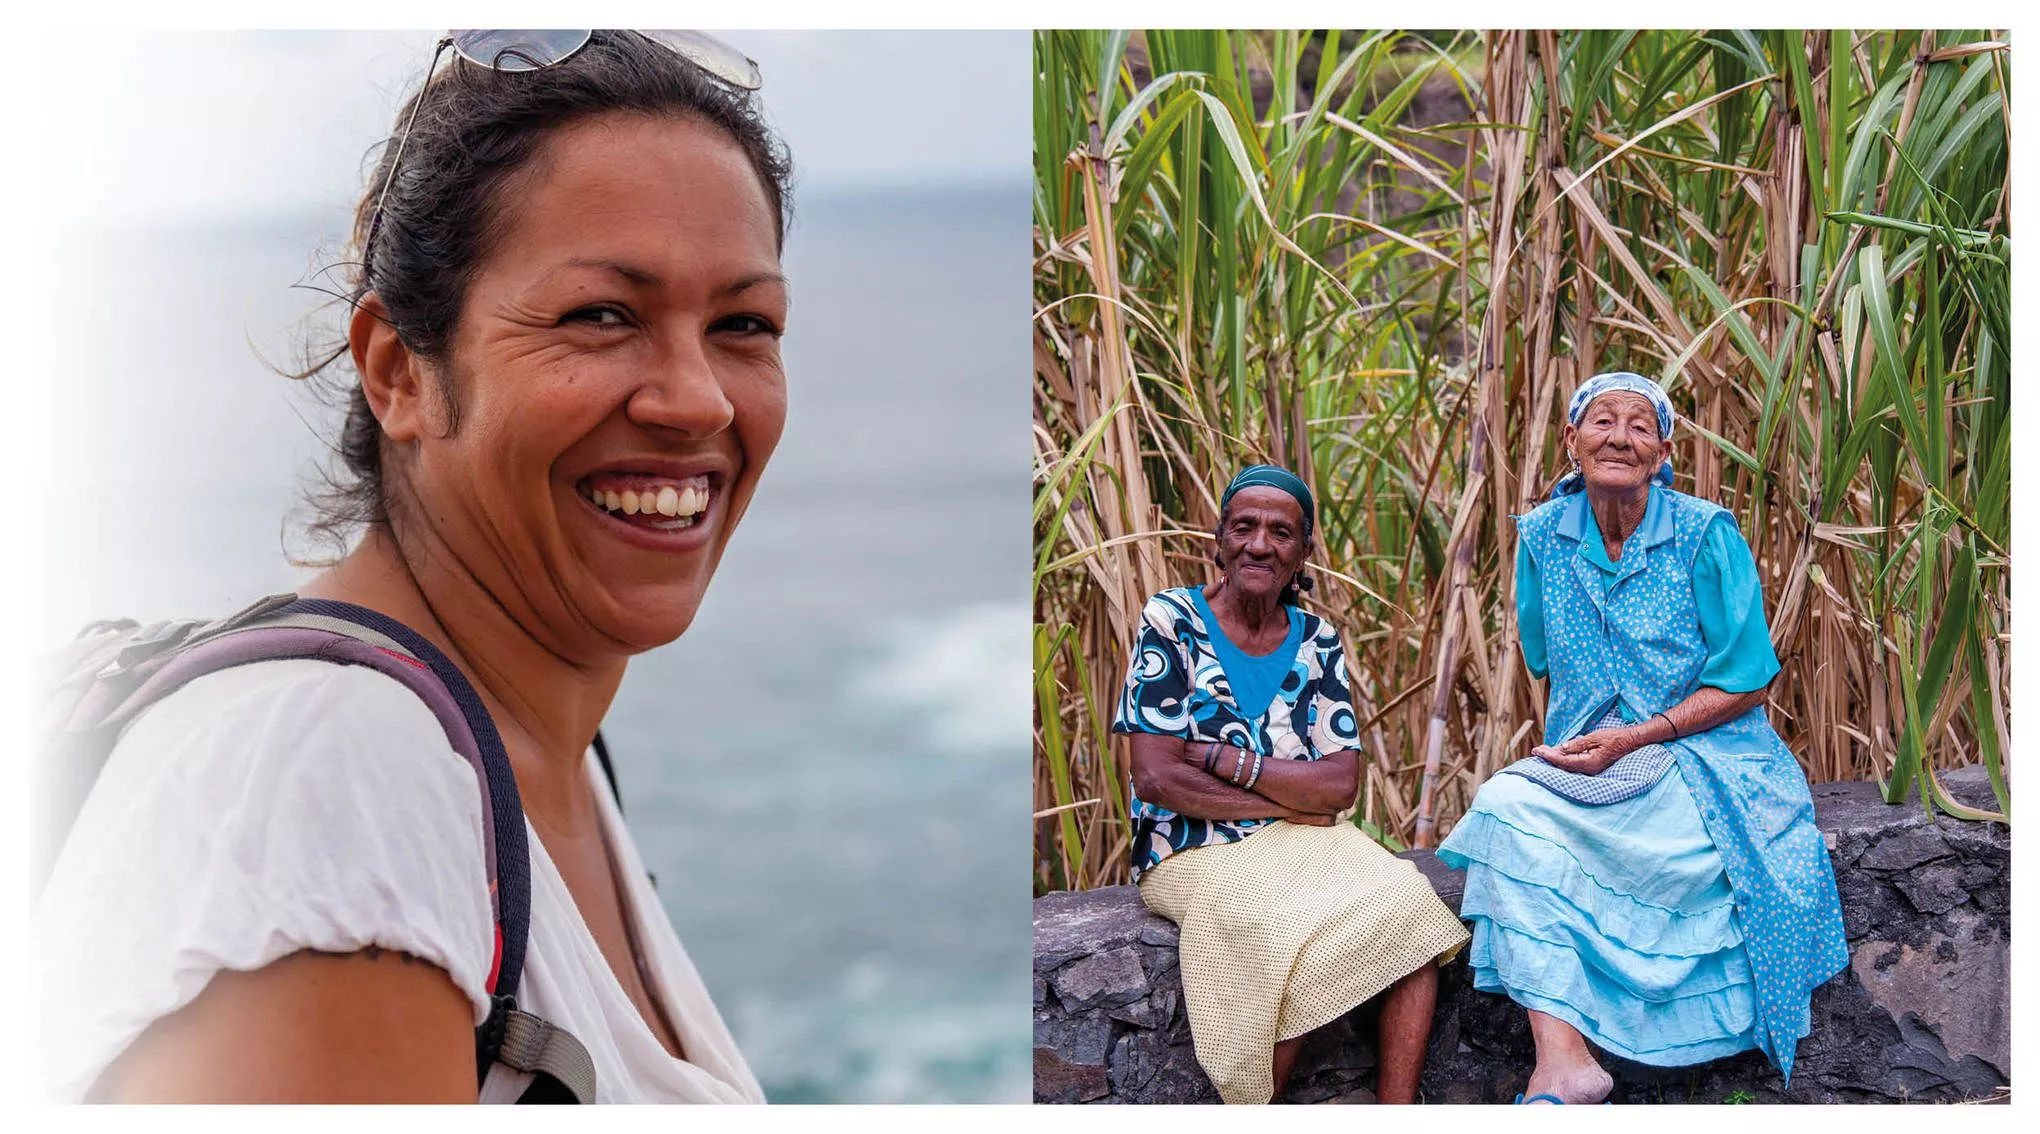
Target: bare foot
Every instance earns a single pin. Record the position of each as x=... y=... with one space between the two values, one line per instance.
x=1579 y=1084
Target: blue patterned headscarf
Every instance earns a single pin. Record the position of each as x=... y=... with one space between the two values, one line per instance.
x=1272 y=476
x=1611 y=382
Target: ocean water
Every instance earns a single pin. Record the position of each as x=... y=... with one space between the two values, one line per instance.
x=829 y=772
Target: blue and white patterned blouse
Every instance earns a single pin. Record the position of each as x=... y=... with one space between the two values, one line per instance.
x=1176 y=685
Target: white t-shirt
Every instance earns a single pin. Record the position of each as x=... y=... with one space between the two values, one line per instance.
x=294 y=805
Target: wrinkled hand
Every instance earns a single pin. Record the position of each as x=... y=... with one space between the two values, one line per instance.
x=1592 y=753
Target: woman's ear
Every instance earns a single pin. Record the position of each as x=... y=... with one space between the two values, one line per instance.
x=393 y=379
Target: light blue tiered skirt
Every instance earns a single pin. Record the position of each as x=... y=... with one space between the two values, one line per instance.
x=1617 y=919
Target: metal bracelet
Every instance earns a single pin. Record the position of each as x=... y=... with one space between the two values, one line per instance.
x=1210 y=757
x=1669 y=724
x=1256 y=777
x=1239 y=766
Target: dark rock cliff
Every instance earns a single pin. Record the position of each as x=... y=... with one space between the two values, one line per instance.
x=1922 y=1013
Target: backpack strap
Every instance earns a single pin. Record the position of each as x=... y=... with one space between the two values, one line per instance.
x=283 y=627
x=359 y=636
x=608 y=770
x=561 y=1067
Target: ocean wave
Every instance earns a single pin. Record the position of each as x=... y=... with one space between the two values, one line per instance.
x=879 y=1039
x=965 y=672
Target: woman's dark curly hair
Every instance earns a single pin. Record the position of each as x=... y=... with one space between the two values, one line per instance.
x=445 y=210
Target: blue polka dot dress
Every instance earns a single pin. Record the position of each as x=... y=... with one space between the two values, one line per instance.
x=1692 y=921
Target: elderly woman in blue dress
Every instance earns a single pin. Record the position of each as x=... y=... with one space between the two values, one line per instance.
x=1245 y=760
x=1650 y=879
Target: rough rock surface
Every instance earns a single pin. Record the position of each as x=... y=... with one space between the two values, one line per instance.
x=1921 y=1014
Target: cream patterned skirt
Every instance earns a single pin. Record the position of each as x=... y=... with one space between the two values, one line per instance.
x=1284 y=932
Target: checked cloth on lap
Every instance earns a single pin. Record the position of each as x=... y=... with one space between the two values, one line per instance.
x=1284 y=932
x=1635 y=773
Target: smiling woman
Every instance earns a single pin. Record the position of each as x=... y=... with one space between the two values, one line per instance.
x=1650 y=879
x=566 y=382
x=1245 y=764
x=623 y=338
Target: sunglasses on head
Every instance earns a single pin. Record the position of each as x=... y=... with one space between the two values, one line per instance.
x=513 y=51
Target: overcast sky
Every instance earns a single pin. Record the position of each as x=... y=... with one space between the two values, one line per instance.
x=166 y=125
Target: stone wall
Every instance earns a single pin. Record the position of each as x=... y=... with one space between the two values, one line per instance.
x=1921 y=1014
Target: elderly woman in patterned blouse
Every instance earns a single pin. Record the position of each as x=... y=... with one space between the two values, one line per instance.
x=1650 y=879
x=1245 y=756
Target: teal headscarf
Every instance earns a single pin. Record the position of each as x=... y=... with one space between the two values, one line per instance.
x=1272 y=476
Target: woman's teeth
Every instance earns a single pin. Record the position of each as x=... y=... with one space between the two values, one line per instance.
x=677 y=504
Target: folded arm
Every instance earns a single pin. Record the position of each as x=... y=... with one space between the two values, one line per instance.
x=1169 y=772
x=1323 y=787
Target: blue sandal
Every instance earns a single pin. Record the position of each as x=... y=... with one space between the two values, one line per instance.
x=1533 y=1098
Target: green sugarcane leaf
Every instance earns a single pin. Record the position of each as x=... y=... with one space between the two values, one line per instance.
x=1891 y=360
x=1110 y=55
x=1954 y=622
x=1983 y=714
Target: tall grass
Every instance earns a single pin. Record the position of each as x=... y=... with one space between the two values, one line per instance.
x=1384 y=260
